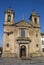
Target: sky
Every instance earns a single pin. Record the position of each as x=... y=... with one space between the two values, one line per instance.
x=21 y=8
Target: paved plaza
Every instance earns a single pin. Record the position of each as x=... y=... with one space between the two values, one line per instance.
x=13 y=61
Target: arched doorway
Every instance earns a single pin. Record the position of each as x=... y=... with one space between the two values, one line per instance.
x=23 y=51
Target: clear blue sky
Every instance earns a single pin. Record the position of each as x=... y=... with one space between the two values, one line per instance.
x=21 y=7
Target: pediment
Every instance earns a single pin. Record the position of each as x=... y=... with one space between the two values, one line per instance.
x=23 y=23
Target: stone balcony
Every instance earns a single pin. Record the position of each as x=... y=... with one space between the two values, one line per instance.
x=23 y=40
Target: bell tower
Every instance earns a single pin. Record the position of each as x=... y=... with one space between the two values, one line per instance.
x=35 y=23
x=8 y=37
x=34 y=19
x=9 y=16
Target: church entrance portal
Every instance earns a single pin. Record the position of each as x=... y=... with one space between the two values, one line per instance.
x=23 y=51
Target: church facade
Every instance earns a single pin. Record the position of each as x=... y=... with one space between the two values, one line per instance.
x=21 y=39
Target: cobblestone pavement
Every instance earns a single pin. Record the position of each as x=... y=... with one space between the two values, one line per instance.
x=13 y=61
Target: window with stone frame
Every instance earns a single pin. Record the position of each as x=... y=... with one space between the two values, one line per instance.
x=22 y=33
x=42 y=36
x=42 y=42
x=42 y=49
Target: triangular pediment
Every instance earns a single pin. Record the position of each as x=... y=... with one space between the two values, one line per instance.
x=23 y=23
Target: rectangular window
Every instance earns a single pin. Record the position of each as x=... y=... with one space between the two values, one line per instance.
x=22 y=33
x=42 y=42
x=42 y=49
x=42 y=36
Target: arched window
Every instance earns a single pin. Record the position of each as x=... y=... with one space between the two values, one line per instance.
x=9 y=18
x=22 y=33
x=35 y=19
